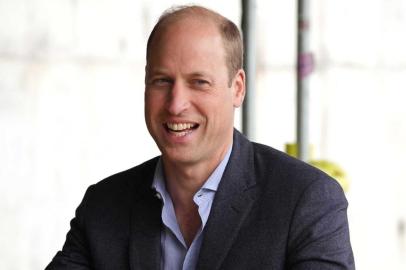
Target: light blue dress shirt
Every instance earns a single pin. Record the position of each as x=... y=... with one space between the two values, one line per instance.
x=175 y=254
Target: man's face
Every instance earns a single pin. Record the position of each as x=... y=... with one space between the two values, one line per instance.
x=189 y=104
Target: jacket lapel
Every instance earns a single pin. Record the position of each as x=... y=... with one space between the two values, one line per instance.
x=232 y=203
x=145 y=227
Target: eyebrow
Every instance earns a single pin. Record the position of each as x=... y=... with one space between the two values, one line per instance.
x=199 y=74
x=155 y=72
x=163 y=72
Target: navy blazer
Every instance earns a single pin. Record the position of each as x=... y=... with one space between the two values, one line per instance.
x=271 y=211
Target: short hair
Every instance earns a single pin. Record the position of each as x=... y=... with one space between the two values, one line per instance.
x=231 y=36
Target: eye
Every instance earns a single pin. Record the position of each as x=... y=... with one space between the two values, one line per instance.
x=200 y=83
x=161 y=81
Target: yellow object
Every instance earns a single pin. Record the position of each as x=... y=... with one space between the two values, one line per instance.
x=291 y=149
x=331 y=168
x=334 y=170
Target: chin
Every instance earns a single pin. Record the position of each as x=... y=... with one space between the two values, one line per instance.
x=179 y=157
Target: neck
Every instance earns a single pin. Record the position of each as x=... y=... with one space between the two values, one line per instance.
x=182 y=183
x=184 y=180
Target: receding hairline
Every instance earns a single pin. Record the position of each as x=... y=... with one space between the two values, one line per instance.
x=179 y=13
x=176 y=13
x=227 y=30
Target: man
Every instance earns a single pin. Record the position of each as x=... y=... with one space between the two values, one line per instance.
x=213 y=199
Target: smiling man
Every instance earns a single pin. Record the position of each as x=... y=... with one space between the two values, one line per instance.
x=213 y=199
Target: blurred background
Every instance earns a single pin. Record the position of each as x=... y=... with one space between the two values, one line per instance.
x=71 y=109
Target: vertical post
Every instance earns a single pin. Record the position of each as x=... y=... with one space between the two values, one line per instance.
x=304 y=68
x=249 y=40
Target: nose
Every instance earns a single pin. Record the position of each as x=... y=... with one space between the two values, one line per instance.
x=178 y=99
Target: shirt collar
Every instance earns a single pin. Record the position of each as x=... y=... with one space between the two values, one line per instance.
x=211 y=183
x=214 y=179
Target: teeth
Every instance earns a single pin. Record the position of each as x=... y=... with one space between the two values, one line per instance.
x=180 y=134
x=179 y=126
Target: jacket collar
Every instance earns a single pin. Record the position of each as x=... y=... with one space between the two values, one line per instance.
x=231 y=205
x=145 y=223
x=233 y=201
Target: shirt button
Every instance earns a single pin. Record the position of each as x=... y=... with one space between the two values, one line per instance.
x=158 y=196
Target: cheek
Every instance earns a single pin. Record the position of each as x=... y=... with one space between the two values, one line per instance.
x=221 y=108
x=150 y=110
x=227 y=101
x=153 y=102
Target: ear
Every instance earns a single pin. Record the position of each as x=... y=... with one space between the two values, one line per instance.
x=238 y=88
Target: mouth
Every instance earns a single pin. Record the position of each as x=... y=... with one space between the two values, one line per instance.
x=180 y=129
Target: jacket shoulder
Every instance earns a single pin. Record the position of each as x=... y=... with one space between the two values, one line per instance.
x=138 y=175
x=286 y=170
x=122 y=186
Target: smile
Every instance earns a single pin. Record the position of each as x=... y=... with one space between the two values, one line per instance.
x=180 y=129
